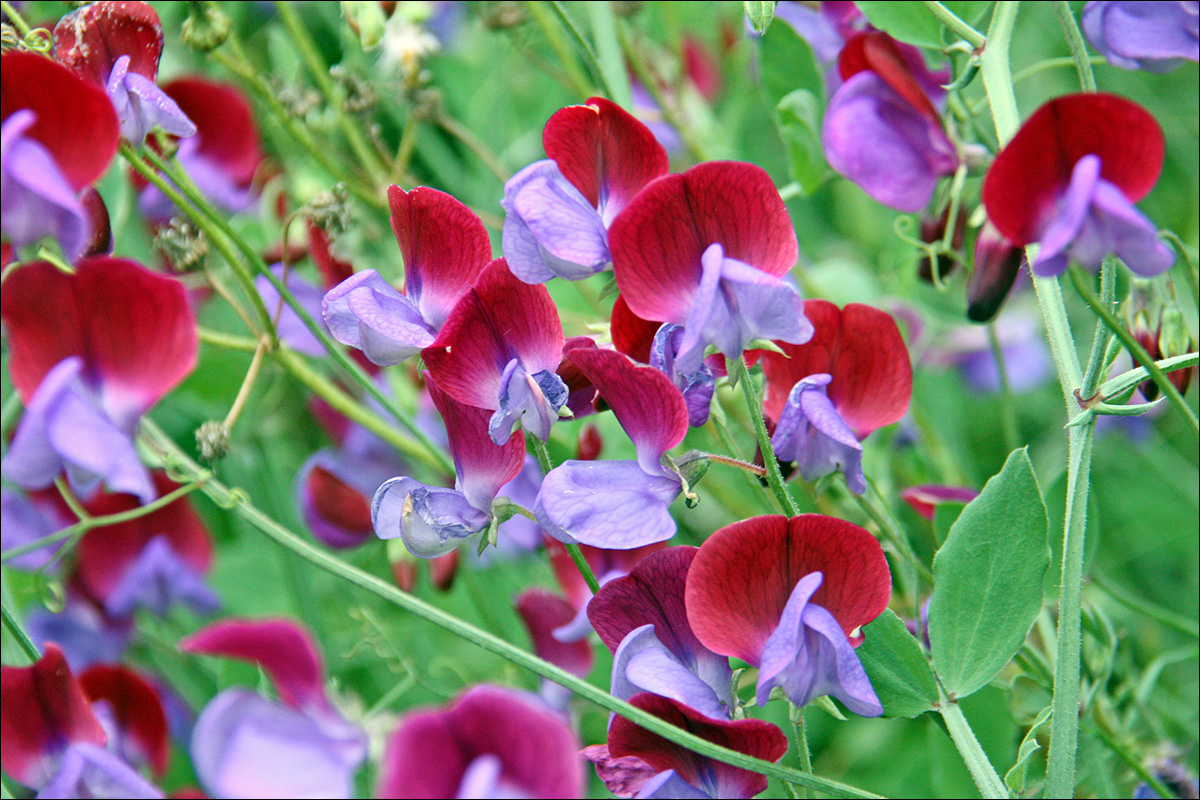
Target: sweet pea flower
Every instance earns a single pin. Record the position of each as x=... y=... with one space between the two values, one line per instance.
x=91 y=352
x=131 y=713
x=1154 y=36
x=445 y=248
x=544 y=614
x=997 y=264
x=788 y=596
x=606 y=565
x=926 y=498
x=116 y=45
x=433 y=520
x=311 y=749
x=827 y=395
x=491 y=742
x=84 y=633
x=881 y=130
x=707 y=250
x=641 y=618
x=619 y=504
x=44 y=164
x=636 y=762
x=1068 y=181
x=52 y=740
x=499 y=350
x=557 y=211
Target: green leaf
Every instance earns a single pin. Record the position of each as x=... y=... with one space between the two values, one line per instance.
x=793 y=84
x=1014 y=779
x=944 y=517
x=914 y=23
x=799 y=121
x=760 y=14
x=987 y=579
x=787 y=62
x=897 y=667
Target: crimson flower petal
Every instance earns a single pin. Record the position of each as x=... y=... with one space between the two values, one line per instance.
x=631 y=334
x=861 y=347
x=1034 y=169
x=544 y=612
x=89 y=40
x=333 y=270
x=226 y=132
x=480 y=466
x=136 y=709
x=742 y=578
x=65 y=105
x=657 y=241
x=283 y=649
x=881 y=54
x=605 y=152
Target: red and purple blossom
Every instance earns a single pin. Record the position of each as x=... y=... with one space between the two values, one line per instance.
x=825 y=396
x=789 y=596
x=44 y=165
x=433 y=520
x=545 y=614
x=606 y=565
x=619 y=505
x=638 y=763
x=707 y=250
x=131 y=713
x=558 y=210
x=997 y=264
x=116 y=45
x=491 y=742
x=881 y=129
x=1154 y=36
x=445 y=248
x=313 y=751
x=1068 y=181
x=926 y=498
x=91 y=352
x=499 y=350
x=642 y=619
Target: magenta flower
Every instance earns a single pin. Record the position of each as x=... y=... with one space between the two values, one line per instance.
x=91 y=352
x=1154 y=36
x=44 y=165
x=313 y=751
x=52 y=741
x=116 y=45
x=545 y=614
x=499 y=350
x=707 y=250
x=788 y=596
x=558 y=210
x=925 y=499
x=642 y=619
x=606 y=565
x=434 y=520
x=491 y=742
x=636 y=762
x=1068 y=181
x=132 y=715
x=445 y=248
x=825 y=396
x=619 y=504
x=881 y=130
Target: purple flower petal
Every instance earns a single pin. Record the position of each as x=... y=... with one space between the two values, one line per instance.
x=874 y=137
x=141 y=105
x=812 y=434
x=669 y=784
x=83 y=633
x=531 y=400
x=25 y=521
x=697 y=387
x=642 y=663
x=611 y=504
x=809 y=655
x=156 y=579
x=519 y=534
x=88 y=770
x=364 y=311
x=431 y=520
x=1155 y=36
x=291 y=329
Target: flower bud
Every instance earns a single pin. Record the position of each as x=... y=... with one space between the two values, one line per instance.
x=997 y=262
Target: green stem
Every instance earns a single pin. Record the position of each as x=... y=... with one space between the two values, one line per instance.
x=754 y=408
x=1093 y=374
x=1115 y=387
x=1136 y=350
x=608 y=54
x=890 y=529
x=9 y=414
x=955 y=23
x=542 y=454
x=1008 y=408
x=797 y=717
x=476 y=145
x=1184 y=625
x=1079 y=53
x=236 y=500
x=23 y=641
x=981 y=769
x=537 y=10
x=589 y=55
x=228 y=341
x=650 y=81
x=1133 y=763
x=17 y=20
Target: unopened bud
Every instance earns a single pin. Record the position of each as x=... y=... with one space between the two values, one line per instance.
x=329 y=211
x=206 y=27
x=501 y=15
x=1175 y=340
x=182 y=245
x=997 y=263
x=590 y=443
x=100 y=240
x=366 y=18
x=212 y=438
x=934 y=231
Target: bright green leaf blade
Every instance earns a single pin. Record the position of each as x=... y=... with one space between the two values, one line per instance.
x=897 y=667
x=987 y=579
x=914 y=23
x=793 y=84
x=799 y=122
x=1015 y=778
x=760 y=14
x=787 y=63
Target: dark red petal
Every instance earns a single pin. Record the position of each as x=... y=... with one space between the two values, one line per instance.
x=631 y=334
x=862 y=348
x=106 y=552
x=652 y=593
x=499 y=319
x=880 y=53
x=100 y=242
x=338 y=502
x=1032 y=171
x=89 y=40
x=333 y=270
x=754 y=737
x=444 y=245
x=136 y=707
x=224 y=124
x=65 y=105
x=43 y=710
x=581 y=395
x=280 y=647
x=658 y=239
x=604 y=151
x=543 y=612
x=743 y=575
x=442 y=571
x=600 y=560
x=644 y=400
x=700 y=68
